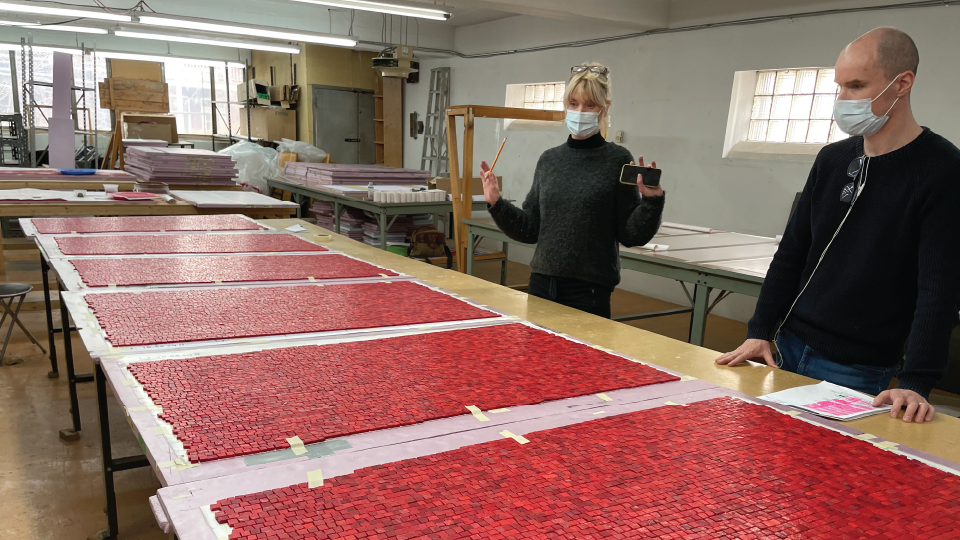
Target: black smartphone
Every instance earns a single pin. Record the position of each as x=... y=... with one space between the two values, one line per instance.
x=651 y=177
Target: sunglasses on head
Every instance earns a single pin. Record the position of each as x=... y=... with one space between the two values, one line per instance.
x=593 y=69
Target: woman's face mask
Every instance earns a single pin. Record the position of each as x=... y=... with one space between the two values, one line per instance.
x=583 y=124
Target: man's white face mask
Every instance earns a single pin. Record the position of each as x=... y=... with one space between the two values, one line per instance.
x=855 y=116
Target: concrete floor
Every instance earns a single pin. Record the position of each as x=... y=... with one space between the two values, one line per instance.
x=50 y=489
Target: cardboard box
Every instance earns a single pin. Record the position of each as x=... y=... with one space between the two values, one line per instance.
x=270 y=124
x=276 y=93
x=150 y=126
x=259 y=92
x=476 y=185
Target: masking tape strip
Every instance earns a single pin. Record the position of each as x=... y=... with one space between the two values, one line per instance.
x=217 y=282
x=686 y=378
x=162 y=430
x=604 y=397
x=518 y=438
x=384 y=275
x=184 y=496
x=166 y=464
x=296 y=444
x=142 y=408
x=793 y=413
x=886 y=444
x=314 y=479
x=677 y=404
x=477 y=413
x=311 y=279
x=496 y=411
x=111 y=285
x=129 y=382
x=599 y=412
x=865 y=437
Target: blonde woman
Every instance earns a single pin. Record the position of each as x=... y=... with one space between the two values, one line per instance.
x=577 y=211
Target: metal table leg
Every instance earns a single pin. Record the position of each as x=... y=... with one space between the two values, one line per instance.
x=698 y=323
x=471 y=240
x=337 y=210
x=110 y=465
x=45 y=270
x=503 y=265
x=382 y=221
x=74 y=433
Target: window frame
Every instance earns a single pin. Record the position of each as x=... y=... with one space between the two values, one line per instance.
x=515 y=99
x=736 y=140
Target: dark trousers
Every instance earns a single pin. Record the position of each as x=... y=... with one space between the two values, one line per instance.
x=574 y=293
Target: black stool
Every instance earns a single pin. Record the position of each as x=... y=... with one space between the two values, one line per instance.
x=12 y=291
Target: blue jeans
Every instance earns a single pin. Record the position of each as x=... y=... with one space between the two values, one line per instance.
x=793 y=355
x=574 y=293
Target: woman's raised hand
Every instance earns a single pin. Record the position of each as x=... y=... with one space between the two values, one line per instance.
x=645 y=190
x=490 y=189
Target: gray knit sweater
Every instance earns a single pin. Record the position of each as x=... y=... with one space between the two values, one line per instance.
x=577 y=212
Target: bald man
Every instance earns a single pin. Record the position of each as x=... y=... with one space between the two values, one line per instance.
x=866 y=282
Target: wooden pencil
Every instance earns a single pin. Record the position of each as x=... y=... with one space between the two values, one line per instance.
x=498 y=155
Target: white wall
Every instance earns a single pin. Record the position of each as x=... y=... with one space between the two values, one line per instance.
x=671 y=97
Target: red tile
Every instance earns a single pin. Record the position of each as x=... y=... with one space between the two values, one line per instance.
x=226 y=222
x=167 y=244
x=716 y=469
x=188 y=270
x=218 y=403
x=151 y=318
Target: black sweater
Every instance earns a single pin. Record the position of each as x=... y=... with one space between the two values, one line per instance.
x=578 y=212
x=891 y=278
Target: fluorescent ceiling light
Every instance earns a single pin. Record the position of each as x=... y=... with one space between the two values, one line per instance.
x=390 y=9
x=236 y=65
x=160 y=58
x=253 y=45
x=41 y=48
x=258 y=31
x=59 y=27
x=73 y=13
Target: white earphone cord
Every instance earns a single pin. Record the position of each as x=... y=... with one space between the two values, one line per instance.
x=856 y=196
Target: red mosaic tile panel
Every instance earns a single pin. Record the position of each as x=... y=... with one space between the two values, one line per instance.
x=715 y=469
x=229 y=405
x=233 y=268
x=151 y=318
x=226 y=222
x=173 y=244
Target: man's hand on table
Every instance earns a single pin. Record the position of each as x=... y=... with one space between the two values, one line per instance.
x=917 y=408
x=751 y=349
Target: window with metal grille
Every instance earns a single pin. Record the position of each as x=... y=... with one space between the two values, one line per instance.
x=544 y=96
x=795 y=106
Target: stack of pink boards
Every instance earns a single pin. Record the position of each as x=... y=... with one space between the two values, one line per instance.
x=326 y=174
x=179 y=166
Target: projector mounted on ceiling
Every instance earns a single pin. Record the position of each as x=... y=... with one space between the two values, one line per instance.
x=396 y=61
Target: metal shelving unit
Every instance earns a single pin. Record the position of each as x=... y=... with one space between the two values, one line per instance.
x=88 y=154
x=216 y=110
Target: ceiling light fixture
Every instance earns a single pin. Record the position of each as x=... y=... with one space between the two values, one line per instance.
x=58 y=27
x=258 y=31
x=390 y=9
x=64 y=12
x=252 y=45
x=159 y=58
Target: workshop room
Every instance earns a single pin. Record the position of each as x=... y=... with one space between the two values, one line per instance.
x=449 y=269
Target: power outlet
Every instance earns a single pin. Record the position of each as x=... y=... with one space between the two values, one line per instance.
x=618 y=138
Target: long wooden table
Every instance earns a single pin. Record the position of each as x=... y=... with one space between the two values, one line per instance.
x=940 y=438
x=727 y=262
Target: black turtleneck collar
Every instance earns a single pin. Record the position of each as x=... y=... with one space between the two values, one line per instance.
x=596 y=141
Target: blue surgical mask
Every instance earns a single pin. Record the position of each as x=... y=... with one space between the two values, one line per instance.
x=855 y=116
x=583 y=124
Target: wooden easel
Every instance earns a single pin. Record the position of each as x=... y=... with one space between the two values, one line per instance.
x=115 y=149
x=463 y=205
